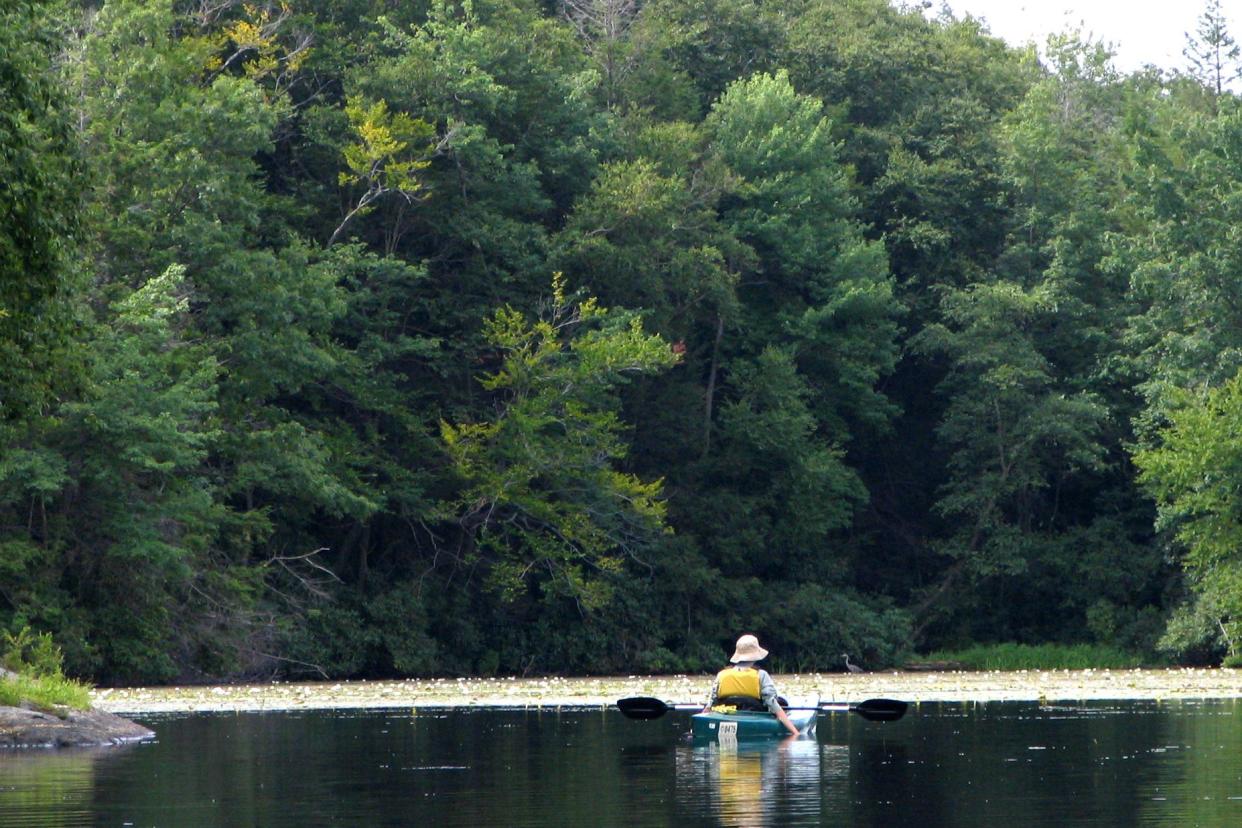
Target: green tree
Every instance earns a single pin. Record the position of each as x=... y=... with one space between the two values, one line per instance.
x=125 y=496
x=544 y=501
x=791 y=377
x=139 y=443
x=711 y=44
x=914 y=105
x=648 y=236
x=1184 y=352
x=1183 y=333
x=1193 y=474
x=1028 y=351
x=382 y=160
x=778 y=490
x=644 y=239
x=511 y=152
x=820 y=286
x=262 y=412
x=1214 y=56
x=175 y=133
x=38 y=214
x=175 y=146
x=1012 y=429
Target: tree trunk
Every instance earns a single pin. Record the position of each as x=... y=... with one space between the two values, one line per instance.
x=711 y=387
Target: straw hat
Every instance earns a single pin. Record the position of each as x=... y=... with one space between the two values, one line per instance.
x=748 y=649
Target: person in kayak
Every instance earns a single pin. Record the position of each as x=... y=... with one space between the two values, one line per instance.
x=746 y=686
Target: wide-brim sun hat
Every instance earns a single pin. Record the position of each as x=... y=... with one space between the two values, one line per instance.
x=748 y=649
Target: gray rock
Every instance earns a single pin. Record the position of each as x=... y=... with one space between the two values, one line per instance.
x=22 y=728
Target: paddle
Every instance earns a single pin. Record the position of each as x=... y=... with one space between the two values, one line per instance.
x=873 y=710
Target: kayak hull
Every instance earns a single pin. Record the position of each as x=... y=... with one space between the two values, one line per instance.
x=746 y=724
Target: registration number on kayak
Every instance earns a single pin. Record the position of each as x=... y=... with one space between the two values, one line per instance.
x=727 y=732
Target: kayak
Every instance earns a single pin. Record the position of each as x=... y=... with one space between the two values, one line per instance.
x=729 y=725
x=748 y=724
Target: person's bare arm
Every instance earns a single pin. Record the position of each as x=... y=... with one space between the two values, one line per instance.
x=784 y=719
x=770 y=696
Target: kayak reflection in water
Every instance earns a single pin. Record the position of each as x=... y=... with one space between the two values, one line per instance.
x=755 y=784
x=745 y=687
x=739 y=784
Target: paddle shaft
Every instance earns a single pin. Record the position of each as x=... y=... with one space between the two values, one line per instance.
x=883 y=710
x=828 y=707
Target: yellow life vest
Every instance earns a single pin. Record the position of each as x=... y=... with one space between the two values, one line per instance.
x=738 y=681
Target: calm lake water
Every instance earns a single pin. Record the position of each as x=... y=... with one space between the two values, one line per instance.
x=1107 y=764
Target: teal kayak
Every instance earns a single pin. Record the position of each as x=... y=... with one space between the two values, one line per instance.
x=747 y=724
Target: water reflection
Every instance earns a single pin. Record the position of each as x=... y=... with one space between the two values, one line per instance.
x=1143 y=764
x=50 y=788
x=1193 y=776
x=752 y=784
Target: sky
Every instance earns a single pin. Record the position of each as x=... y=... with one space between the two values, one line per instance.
x=1141 y=31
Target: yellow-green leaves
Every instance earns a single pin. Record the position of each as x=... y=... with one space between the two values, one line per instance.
x=542 y=500
x=260 y=41
x=390 y=150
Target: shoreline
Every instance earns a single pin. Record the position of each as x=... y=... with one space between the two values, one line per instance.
x=1177 y=684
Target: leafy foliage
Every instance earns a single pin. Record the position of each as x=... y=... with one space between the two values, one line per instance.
x=1191 y=473
x=543 y=497
x=37 y=678
x=896 y=335
x=38 y=215
x=1042 y=657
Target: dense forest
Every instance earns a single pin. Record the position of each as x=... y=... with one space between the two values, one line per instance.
x=369 y=338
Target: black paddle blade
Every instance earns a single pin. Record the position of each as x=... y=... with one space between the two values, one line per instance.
x=880 y=710
x=642 y=707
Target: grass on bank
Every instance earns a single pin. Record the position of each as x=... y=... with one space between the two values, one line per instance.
x=1040 y=657
x=35 y=676
x=44 y=692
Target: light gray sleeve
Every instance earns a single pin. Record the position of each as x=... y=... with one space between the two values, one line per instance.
x=767 y=692
x=711 y=699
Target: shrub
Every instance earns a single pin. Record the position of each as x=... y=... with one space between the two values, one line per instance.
x=1039 y=657
x=32 y=653
x=36 y=663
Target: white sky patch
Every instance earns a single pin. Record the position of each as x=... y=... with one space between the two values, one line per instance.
x=1141 y=32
